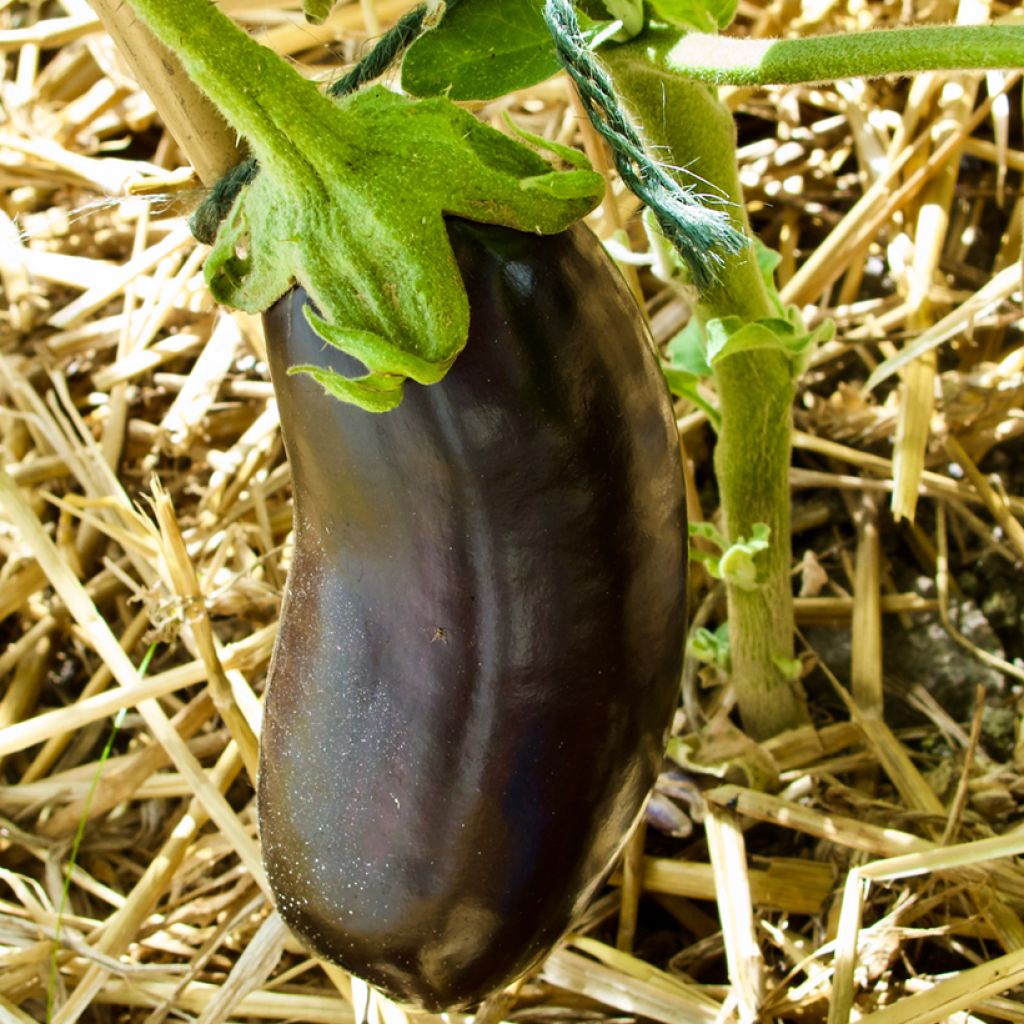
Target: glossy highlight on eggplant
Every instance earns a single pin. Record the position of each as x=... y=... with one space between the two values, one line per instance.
x=482 y=632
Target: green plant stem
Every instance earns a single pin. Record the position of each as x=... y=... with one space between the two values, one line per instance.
x=755 y=388
x=721 y=60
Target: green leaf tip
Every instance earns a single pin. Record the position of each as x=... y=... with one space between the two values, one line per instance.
x=350 y=203
x=375 y=392
x=316 y=11
x=566 y=154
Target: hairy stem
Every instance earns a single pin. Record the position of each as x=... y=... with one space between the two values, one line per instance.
x=719 y=60
x=755 y=388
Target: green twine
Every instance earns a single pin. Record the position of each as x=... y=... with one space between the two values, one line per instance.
x=388 y=49
x=699 y=234
x=214 y=208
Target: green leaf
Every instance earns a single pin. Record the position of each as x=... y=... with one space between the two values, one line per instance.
x=350 y=202
x=630 y=13
x=740 y=565
x=688 y=349
x=701 y=15
x=685 y=385
x=374 y=392
x=784 y=332
x=482 y=49
x=767 y=262
x=316 y=10
x=711 y=648
x=707 y=531
x=791 y=668
x=729 y=335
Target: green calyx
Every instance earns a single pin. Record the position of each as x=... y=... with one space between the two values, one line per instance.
x=350 y=201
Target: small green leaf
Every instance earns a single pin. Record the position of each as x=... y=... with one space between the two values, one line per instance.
x=707 y=531
x=711 y=648
x=805 y=342
x=688 y=350
x=729 y=335
x=791 y=668
x=760 y=537
x=481 y=50
x=685 y=385
x=316 y=10
x=739 y=563
x=630 y=13
x=767 y=262
x=701 y=15
x=709 y=561
x=737 y=567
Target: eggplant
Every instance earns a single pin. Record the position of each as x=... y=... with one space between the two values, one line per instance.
x=482 y=630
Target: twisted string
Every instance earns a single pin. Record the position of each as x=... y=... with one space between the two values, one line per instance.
x=214 y=208
x=389 y=48
x=700 y=235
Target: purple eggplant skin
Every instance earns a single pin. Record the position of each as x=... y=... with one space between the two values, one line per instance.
x=482 y=632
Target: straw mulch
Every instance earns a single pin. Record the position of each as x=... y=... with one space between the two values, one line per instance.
x=863 y=869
